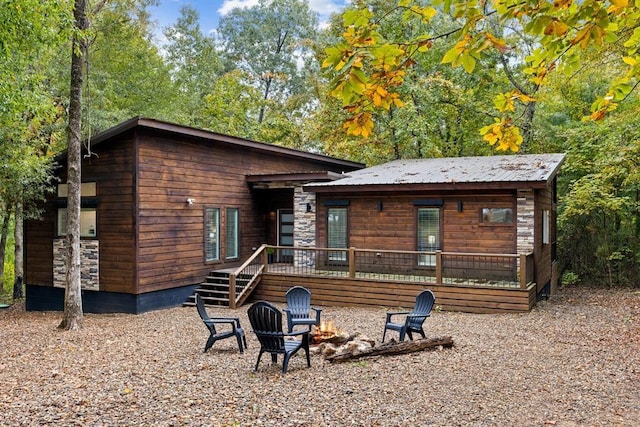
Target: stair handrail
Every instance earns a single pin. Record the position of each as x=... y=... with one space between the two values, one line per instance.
x=233 y=298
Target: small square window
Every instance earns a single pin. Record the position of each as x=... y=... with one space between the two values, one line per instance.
x=87 y=222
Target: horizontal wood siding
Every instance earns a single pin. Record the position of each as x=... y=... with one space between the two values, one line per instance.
x=38 y=247
x=357 y=292
x=171 y=232
x=394 y=227
x=112 y=170
x=543 y=201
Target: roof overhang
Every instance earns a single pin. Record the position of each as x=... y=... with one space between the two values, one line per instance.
x=289 y=180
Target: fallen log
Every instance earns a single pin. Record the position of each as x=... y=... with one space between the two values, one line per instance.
x=393 y=348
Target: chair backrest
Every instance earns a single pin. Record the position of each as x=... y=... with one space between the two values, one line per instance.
x=203 y=313
x=266 y=322
x=299 y=301
x=424 y=304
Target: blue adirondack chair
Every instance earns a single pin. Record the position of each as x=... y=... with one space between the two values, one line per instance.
x=414 y=319
x=215 y=335
x=266 y=321
x=299 y=310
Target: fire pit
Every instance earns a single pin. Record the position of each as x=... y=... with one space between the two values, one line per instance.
x=326 y=332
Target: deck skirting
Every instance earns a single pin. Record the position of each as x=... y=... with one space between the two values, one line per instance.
x=341 y=291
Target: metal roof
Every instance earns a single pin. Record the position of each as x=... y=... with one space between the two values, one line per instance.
x=517 y=169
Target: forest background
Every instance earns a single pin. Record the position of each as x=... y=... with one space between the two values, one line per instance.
x=266 y=73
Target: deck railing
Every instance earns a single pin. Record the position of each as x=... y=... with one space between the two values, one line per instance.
x=454 y=268
x=246 y=277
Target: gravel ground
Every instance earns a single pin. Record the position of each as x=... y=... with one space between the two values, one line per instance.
x=573 y=361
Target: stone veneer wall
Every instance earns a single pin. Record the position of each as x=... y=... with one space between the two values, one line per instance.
x=304 y=228
x=89 y=263
x=525 y=222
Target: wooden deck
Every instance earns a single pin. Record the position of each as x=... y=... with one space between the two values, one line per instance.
x=340 y=291
x=493 y=283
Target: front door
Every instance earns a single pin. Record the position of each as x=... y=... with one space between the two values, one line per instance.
x=285 y=234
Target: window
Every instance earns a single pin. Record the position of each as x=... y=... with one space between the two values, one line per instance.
x=87 y=222
x=211 y=233
x=428 y=235
x=232 y=224
x=87 y=189
x=545 y=227
x=337 y=233
x=88 y=211
x=497 y=216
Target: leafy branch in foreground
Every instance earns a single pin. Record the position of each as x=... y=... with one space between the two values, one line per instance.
x=368 y=67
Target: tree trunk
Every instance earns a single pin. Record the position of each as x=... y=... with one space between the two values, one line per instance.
x=18 y=253
x=393 y=348
x=73 y=316
x=3 y=244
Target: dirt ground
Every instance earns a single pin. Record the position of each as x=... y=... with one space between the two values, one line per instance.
x=572 y=361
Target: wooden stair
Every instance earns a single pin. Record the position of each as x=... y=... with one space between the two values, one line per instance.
x=215 y=289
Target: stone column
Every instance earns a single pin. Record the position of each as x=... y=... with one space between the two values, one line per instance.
x=525 y=222
x=304 y=228
x=89 y=264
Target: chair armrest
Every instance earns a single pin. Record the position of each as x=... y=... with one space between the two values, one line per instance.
x=293 y=334
x=418 y=316
x=393 y=313
x=231 y=320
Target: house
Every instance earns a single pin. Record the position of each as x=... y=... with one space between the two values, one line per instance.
x=168 y=210
x=478 y=231
x=162 y=206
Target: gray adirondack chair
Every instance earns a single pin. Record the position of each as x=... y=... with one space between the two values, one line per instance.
x=266 y=322
x=299 y=310
x=414 y=319
x=215 y=334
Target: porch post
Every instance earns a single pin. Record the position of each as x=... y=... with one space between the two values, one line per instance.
x=523 y=271
x=264 y=257
x=352 y=263
x=439 y=267
x=232 y=291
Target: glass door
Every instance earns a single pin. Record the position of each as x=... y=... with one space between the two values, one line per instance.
x=285 y=235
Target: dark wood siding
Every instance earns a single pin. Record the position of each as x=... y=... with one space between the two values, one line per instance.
x=38 y=247
x=542 y=252
x=171 y=232
x=112 y=170
x=394 y=227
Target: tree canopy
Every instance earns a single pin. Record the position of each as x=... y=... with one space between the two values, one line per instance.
x=369 y=64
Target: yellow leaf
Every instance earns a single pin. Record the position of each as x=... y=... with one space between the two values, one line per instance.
x=562 y=4
x=598 y=115
x=617 y=6
x=496 y=42
x=630 y=60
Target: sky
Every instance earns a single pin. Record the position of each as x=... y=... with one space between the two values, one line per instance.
x=210 y=11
